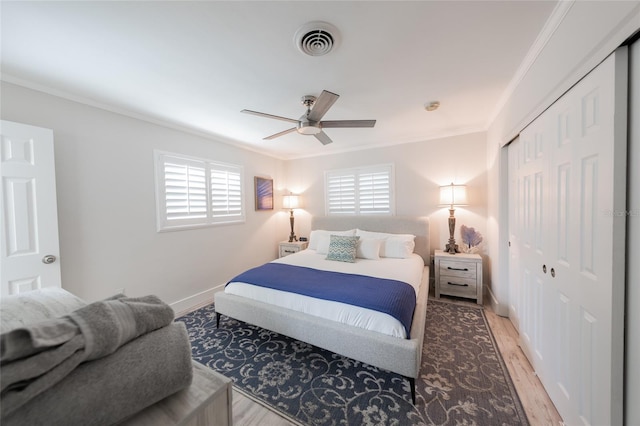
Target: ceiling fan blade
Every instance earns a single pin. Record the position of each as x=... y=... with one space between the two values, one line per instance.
x=347 y=123
x=284 y=132
x=262 y=114
x=322 y=137
x=322 y=105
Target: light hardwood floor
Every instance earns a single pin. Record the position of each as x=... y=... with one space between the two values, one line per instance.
x=539 y=408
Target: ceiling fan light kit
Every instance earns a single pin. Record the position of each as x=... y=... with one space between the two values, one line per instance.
x=310 y=122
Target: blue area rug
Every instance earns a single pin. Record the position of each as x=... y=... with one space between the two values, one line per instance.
x=463 y=379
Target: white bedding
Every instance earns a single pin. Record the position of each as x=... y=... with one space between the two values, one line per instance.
x=406 y=270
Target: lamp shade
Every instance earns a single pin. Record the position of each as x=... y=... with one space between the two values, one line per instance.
x=291 y=202
x=453 y=195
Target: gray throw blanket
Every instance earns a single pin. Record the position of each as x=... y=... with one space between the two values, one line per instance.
x=36 y=357
x=108 y=390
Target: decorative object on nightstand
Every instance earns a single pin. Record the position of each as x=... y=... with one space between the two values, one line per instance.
x=452 y=196
x=292 y=202
x=471 y=240
x=286 y=248
x=459 y=275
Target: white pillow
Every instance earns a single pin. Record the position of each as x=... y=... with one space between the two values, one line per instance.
x=369 y=248
x=313 y=236
x=394 y=245
x=323 y=241
x=399 y=246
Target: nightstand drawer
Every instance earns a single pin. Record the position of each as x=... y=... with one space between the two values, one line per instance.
x=286 y=248
x=458 y=269
x=455 y=286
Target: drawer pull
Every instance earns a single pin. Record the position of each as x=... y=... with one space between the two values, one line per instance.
x=289 y=251
x=459 y=285
x=457 y=269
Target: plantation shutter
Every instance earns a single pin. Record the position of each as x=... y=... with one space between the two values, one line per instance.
x=193 y=192
x=226 y=191
x=341 y=193
x=185 y=190
x=375 y=192
x=361 y=191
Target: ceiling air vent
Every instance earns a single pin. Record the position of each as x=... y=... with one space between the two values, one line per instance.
x=316 y=38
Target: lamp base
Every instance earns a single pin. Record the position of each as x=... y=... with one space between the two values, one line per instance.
x=452 y=247
x=292 y=237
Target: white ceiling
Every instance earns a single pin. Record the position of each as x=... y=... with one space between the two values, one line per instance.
x=195 y=65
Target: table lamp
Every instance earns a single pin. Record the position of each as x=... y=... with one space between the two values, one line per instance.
x=291 y=202
x=452 y=196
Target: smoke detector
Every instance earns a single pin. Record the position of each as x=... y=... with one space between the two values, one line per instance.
x=432 y=106
x=316 y=38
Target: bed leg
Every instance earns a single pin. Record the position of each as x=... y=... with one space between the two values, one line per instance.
x=412 y=383
x=218 y=319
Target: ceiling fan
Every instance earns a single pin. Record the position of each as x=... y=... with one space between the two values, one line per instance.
x=310 y=122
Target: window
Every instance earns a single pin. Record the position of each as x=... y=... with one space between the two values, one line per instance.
x=360 y=191
x=193 y=192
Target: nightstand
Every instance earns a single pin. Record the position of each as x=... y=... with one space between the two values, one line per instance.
x=458 y=275
x=286 y=248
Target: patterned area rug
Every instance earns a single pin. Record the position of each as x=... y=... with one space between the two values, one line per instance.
x=463 y=379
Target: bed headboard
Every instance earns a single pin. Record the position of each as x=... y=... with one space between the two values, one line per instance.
x=418 y=226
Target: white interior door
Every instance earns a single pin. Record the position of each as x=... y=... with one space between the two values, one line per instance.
x=531 y=156
x=570 y=180
x=28 y=214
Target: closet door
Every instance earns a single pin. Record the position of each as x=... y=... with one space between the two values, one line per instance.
x=531 y=195
x=572 y=245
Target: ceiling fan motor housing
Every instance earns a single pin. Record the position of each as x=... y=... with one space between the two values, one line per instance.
x=306 y=126
x=316 y=38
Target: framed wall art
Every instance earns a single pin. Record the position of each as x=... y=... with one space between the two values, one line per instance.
x=264 y=193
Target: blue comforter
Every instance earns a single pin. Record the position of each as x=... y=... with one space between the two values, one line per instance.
x=392 y=297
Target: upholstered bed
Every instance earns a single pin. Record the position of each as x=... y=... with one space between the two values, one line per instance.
x=399 y=354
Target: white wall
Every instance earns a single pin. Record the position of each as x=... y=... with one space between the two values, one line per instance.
x=106 y=205
x=420 y=168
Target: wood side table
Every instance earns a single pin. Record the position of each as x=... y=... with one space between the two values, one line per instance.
x=458 y=275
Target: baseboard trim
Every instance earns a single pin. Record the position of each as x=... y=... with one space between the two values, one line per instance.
x=196 y=301
x=499 y=308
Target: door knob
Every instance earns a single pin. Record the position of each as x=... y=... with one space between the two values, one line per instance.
x=553 y=272
x=544 y=268
x=48 y=259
